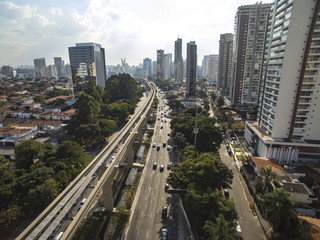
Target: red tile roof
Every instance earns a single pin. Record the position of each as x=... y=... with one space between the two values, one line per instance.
x=261 y=162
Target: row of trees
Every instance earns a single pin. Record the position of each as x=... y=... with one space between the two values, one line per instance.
x=201 y=171
x=204 y=175
x=41 y=173
x=100 y=112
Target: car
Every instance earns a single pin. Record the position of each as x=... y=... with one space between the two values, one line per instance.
x=164 y=144
x=161 y=168
x=169 y=133
x=168 y=148
x=155 y=165
x=161 y=120
x=164 y=233
x=112 y=158
x=165 y=121
x=226 y=193
x=154 y=145
x=169 y=166
x=158 y=118
x=166 y=187
x=161 y=127
x=164 y=211
x=239 y=232
x=158 y=148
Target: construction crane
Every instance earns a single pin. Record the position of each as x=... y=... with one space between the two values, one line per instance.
x=124 y=65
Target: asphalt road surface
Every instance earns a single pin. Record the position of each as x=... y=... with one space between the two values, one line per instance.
x=250 y=226
x=147 y=220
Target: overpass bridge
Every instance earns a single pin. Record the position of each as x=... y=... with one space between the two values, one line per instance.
x=61 y=210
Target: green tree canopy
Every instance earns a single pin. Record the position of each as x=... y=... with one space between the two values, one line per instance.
x=28 y=152
x=280 y=211
x=87 y=108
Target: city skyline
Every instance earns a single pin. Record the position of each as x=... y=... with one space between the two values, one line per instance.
x=131 y=30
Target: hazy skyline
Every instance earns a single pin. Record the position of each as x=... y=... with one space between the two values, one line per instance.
x=125 y=29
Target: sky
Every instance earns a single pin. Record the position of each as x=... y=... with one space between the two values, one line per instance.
x=131 y=29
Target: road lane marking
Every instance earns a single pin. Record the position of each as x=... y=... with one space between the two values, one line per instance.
x=147 y=233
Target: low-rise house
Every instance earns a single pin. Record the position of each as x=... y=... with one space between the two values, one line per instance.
x=3 y=112
x=261 y=162
x=52 y=109
x=298 y=192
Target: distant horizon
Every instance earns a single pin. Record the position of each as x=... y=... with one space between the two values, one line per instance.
x=125 y=29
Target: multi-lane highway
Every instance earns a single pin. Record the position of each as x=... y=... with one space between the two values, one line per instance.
x=48 y=223
x=147 y=218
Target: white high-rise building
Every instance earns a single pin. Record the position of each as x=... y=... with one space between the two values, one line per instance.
x=167 y=65
x=251 y=23
x=288 y=127
x=52 y=71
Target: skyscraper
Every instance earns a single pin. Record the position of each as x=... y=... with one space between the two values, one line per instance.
x=59 y=66
x=178 y=62
x=167 y=65
x=288 y=127
x=225 y=63
x=40 y=67
x=248 y=49
x=147 y=66
x=160 y=64
x=205 y=66
x=52 y=71
x=191 y=69
x=213 y=69
x=88 y=59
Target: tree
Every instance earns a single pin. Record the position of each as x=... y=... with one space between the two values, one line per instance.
x=267 y=176
x=180 y=140
x=220 y=102
x=87 y=109
x=280 y=211
x=28 y=152
x=94 y=91
x=221 y=230
x=209 y=136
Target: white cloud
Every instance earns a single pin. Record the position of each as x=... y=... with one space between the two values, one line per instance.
x=55 y=11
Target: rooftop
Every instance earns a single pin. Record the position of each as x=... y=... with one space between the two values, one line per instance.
x=290 y=184
x=262 y=162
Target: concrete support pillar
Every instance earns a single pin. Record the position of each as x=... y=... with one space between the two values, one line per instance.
x=130 y=150
x=108 y=195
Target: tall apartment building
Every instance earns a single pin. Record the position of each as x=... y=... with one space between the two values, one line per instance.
x=225 y=63
x=178 y=62
x=213 y=69
x=88 y=59
x=251 y=23
x=167 y=65
x=191 y=69
x=40 y=67
x=288 y=127
x=7 y=71
x=59 y=66
x=147 y=66
x=160 y=64
x=52 y=71
x=209 y=68
x=205 y=66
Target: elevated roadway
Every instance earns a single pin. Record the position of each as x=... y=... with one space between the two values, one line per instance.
x=88 y=183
